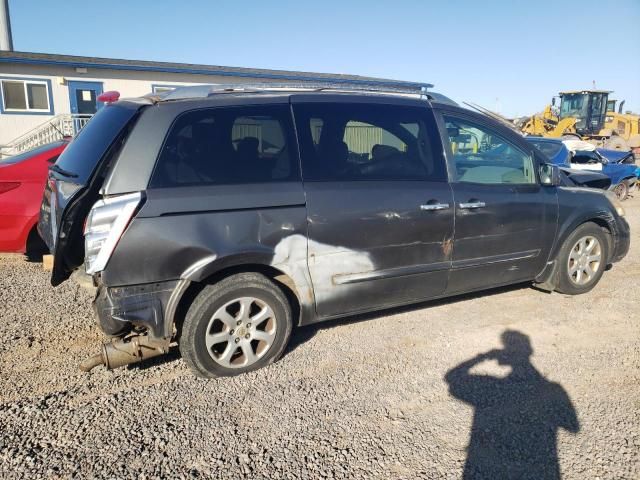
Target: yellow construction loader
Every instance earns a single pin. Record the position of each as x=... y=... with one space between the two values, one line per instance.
x=589 y=115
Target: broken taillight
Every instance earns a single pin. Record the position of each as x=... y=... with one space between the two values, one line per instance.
x=104 y=226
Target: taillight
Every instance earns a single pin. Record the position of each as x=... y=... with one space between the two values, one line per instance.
x=8 y=186
x=104 y=226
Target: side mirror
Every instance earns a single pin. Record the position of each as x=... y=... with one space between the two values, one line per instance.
x=553 y=101
x=550 y=175
x=453 y=132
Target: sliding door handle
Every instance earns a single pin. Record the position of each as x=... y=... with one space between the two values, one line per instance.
x=472 y=205
x=430 y=207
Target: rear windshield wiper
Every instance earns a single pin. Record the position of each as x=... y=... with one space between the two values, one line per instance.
x=63 y=172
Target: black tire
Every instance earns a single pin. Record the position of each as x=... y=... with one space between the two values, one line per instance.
x=210 y=300
x=566 y=284
x=621 y=190
x=35 y=247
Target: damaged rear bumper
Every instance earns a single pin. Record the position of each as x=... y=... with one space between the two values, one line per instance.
x=148 y=306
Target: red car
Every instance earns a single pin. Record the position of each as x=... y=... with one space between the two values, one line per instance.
x=22 y=179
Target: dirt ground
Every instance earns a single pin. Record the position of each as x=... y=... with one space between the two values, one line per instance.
x=489 y=382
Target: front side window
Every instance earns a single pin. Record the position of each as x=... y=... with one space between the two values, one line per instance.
x=350 y=142
x=220 y=146
x=25 y=95
x=481 y=155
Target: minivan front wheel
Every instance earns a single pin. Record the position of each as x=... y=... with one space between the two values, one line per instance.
x=583 y=259
x=239 y=324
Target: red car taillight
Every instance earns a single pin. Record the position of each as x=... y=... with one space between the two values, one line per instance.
x=8 y=186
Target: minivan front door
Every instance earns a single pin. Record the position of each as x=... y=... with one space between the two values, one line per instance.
x=504 y=219
x=380 y=216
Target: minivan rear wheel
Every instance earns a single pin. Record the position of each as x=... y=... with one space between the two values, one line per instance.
x=583 y=259
x=239 y=324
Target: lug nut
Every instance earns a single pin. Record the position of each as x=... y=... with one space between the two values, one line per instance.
x=237 y=339
x=239 y=322
x=247 y=336
x=248 y=325
x=231 y=332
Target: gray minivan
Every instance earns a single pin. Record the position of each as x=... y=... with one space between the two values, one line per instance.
x=221 y=218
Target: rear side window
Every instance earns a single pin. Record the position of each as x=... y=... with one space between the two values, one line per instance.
x=234 y=145
x=84 y=153
x=351 y=142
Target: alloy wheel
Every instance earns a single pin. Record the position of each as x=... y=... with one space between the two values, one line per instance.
x=241 y=332
x=584 y=260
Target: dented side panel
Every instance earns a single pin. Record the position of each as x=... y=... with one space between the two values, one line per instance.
x=371 y=245
x=192 y=233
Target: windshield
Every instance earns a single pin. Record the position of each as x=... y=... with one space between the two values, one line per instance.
x=27 y=155
x=574 y=105
x=548 y=148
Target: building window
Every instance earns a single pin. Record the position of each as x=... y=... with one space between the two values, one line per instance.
x=25 y=96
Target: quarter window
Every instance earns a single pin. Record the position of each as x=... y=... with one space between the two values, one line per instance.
x=350 y=142
x=227 y=146
x=25 y=95
x=481 y=155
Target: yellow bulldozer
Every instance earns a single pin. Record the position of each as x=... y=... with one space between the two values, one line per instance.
x=589 y=115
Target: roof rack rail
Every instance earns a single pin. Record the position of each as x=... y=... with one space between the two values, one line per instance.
x=202 y=91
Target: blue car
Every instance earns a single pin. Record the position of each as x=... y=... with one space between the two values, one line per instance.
x=623 y=176
x=617 y=156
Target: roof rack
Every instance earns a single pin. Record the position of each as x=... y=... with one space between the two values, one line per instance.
x=203 y=91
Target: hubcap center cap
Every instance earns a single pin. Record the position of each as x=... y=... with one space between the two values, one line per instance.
x=241 y=331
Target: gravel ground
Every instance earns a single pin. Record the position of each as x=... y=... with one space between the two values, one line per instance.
x=386 y=396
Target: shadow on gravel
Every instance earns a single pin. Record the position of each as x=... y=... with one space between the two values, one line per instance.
x=303 y=334
x=516 y=418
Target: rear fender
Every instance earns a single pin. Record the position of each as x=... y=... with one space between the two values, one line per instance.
x=289 y=258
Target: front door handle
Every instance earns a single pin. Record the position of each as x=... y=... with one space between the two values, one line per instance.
x=472 y=205
x=430 y=207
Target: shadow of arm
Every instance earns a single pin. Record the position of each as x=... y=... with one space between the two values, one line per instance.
x=464 y=385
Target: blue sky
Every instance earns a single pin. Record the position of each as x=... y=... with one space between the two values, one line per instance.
x=511 y=56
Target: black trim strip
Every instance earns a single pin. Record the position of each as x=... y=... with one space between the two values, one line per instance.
x=345 y=279
x=227 y=210
x=507 y=257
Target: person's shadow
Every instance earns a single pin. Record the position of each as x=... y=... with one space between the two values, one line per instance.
x=516 y=418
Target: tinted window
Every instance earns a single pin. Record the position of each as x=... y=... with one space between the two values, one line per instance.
x=349 y=142
x=85 y=152
x=481 y=155
x=227 y=146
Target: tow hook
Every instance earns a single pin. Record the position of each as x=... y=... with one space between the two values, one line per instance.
x=124 y=351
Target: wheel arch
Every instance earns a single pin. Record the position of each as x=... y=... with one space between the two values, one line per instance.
x=548 y=278
x=187 y=290
x=603 y=219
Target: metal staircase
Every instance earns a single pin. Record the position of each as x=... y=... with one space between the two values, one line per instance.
x=56 y=128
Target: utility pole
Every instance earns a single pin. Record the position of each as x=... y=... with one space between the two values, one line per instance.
x=6 y=42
